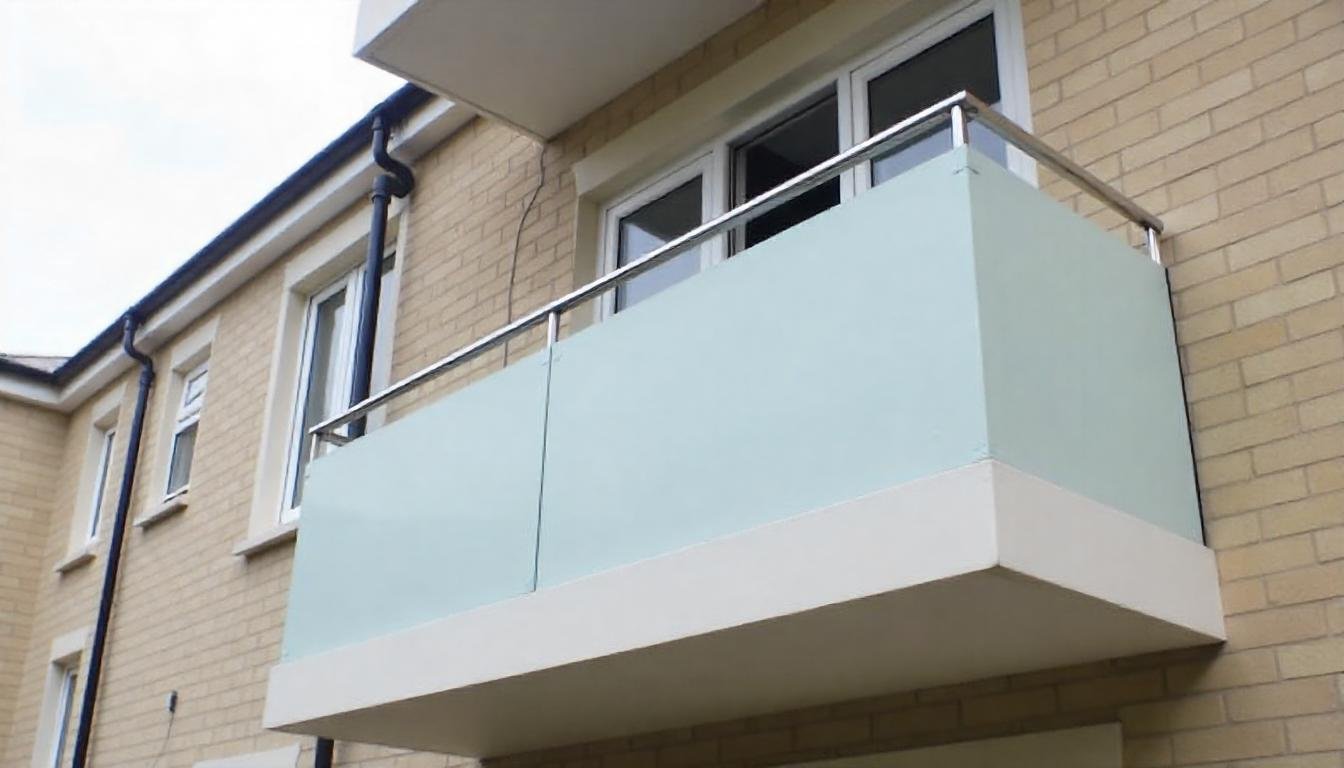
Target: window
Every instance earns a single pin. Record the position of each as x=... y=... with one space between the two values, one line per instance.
x=105 y=439
x=897 y=86
x=973 y=46
x=661 y=212
x=808 y=135
x=328 y=361
x=65 y=705
x=184 y=430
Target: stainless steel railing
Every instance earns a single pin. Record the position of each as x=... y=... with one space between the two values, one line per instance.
x=956 y=111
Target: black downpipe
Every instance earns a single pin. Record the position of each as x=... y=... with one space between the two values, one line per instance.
x=130 y=325
x=397 y=182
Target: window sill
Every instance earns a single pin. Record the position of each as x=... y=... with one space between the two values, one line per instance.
x=166 y=509
x=283 y=533
x=77 y=558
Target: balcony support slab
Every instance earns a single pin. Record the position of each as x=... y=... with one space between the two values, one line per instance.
x=975 y=572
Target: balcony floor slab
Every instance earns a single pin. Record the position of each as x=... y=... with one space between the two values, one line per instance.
x=975 y=572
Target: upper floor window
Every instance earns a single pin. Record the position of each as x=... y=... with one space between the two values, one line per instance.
x=184 y=429
x=325 y=378
x=968 y=48
x=104 y=439
x=64 y=710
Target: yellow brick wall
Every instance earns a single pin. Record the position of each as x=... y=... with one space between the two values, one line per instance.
x=1223 y=116
x=31 y=441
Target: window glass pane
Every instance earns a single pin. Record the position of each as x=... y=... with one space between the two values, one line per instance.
x=324 y=379
x=654 y=225
x=966 y=61
x=64 y=708
x=179 y=466
x=193 y=392
x=802 y=140
x=100 y=481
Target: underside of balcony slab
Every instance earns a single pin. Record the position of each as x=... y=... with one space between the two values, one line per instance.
x=975 y=572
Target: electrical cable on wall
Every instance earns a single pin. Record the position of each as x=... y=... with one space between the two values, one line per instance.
x=517 y=242
x=168 y=732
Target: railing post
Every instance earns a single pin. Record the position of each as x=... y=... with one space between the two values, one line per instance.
x=1154 y=250
x=958 y=126
x=552 y=329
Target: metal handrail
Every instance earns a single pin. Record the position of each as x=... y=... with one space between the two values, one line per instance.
x=956 y=110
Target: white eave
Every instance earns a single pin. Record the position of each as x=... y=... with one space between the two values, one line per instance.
x=537 y=65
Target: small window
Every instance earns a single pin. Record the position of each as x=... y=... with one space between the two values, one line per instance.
x=65 y=705
x=105 y=439
x=328 y=362
x=184 y=430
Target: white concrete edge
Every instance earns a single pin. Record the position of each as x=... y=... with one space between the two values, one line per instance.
x=164 y=510
x=872 y=545
x=1091 y=746
x=1064 y=538
x=989 y=516
x=284 y=757
x=282 y=533
x=421 y=132
x=69 y=645
x=30 y=392
x=373 y=19
x=75 y=559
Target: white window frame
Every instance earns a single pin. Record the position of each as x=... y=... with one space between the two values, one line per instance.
x=94 y=480
x=330 y=257
x=338 y=389
x=187 y=416
x=850 y=85
x=106 y=439
x=190 y=352
x=56 y=715
x=1014 y=96
x=708 y=167
x=65 y=709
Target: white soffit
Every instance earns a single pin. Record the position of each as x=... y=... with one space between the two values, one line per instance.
x=538 y=65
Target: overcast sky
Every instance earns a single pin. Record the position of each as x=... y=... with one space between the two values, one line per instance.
x=133 y=131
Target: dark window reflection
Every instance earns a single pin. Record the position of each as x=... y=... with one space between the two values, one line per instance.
x=652 y=226
x=966 y=61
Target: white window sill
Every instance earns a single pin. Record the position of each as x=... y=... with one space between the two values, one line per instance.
x=77 y=558
x=283 y=533
x=166 y=509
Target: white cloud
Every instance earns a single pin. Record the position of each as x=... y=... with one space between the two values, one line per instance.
x=131 y=133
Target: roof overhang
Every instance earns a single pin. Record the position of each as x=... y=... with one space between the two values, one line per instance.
x=537 y=65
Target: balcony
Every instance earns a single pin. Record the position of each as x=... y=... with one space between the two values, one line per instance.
x=544 y=73
x=932 y=435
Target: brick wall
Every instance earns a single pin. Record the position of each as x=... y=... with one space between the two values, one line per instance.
x=1222 y=116
x=31 y=440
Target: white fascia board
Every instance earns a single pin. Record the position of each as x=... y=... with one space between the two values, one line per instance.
x=421 y=132
x=30 y=392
